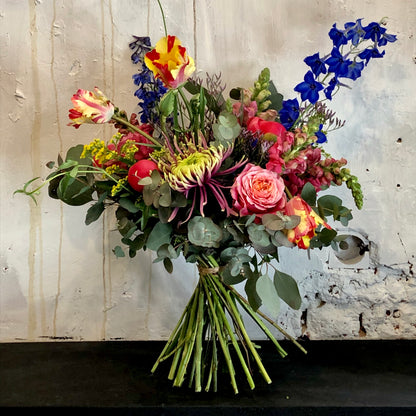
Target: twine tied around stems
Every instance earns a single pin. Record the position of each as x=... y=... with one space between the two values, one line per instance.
x=203 y=271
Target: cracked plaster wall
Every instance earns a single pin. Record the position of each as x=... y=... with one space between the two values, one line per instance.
x=59 y=278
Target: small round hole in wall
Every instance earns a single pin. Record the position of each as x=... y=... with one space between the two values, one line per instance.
x=351 y=249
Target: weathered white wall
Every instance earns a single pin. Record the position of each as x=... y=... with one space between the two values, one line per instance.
x=59 y=278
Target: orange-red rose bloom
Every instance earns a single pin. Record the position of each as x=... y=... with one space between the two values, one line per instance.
x=301 y=235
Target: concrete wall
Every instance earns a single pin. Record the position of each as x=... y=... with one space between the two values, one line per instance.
x=59 y=278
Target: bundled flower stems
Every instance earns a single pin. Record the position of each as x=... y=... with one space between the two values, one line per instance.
x=224 y=182
x=204 y=328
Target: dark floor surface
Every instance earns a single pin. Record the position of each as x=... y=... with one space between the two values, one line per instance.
x=335 y=378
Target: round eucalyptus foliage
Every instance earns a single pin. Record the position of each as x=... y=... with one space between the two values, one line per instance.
x=202 y=231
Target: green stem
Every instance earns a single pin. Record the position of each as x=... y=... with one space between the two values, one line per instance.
x=173 y=337
x=280 y=329
x=171 y=375
x=219 y=333
x=135 y=129
x=288 y=193
x=245 y=335
x=190 y=341
x=198 y=346
x=213 y=263
x=263 y=327
x=212 y=376
x=187 y=104
x=181 y=328
x=163 y=17
x=214 y=286
x=91 y=169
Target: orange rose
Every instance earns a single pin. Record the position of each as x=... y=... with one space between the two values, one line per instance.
x=301 y=235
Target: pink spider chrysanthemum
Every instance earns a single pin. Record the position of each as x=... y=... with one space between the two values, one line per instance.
x=195 y=171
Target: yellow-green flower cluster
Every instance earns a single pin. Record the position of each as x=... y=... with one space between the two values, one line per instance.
x=119 y=186
x=98 y=150
x=128 y=150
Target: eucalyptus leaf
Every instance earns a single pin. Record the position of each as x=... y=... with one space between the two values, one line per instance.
x=287 y=289
x=165 y=199
x=148 y=195
x=227 y=128
x=128 y=204
x=74 y=153
x=292 y=221
x=229 y=278
x=326 y=235
x=125 y=225
x=329 y=204
x=252 y=296
x=118 y=251
x=258 y=235
x=74 y=191
x=232 y=253
x=156 y=178
x=267 y=292
x=95 y=211
x=227 y=119
x=167 y=250
x=279 y=239
x=273 y=222
x=164 y=214
x=168 y=264
x=160 y=234
x=308 y=194
x=147 y=180
x=178 y=200
x=203 y=232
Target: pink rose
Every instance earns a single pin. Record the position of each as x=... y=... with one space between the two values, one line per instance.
x=258 y=191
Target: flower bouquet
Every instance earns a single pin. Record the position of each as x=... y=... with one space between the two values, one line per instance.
x=223 y=182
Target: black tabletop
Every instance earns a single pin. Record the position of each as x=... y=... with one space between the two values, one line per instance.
x=334 y=378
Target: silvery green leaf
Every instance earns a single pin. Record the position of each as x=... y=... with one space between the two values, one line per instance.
x=160 y=234
x=250 y=288
x=291 y=221
x=308 y=194
x=258 y=235
x=273 y=222
x=118 y=251
x=147 y=180
x=279 y=239
x=202 y=231
x=287 y=289
x=267 y=292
